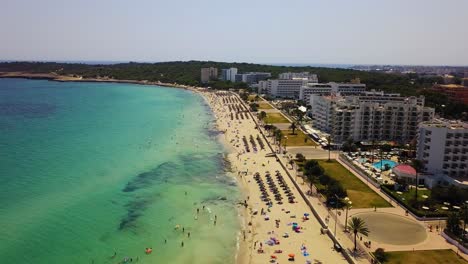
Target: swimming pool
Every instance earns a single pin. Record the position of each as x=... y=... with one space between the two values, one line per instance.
x=380 y=164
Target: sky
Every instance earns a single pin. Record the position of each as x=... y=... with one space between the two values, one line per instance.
x=410 y=32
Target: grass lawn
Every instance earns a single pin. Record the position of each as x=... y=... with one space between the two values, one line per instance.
x=424 y=257
x=251 y=97
x=435 y=209
x=275 y=118
x=358 y=192
x=297 y=139
x=406 y=196
x=264 y=105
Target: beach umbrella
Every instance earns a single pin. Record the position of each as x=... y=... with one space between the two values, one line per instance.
x=273 y=256
x=291 y=255
x=306 y=214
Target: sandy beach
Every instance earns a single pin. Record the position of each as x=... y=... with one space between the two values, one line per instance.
x=278 y=224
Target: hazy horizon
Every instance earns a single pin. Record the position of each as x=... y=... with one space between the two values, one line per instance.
x=362 y=32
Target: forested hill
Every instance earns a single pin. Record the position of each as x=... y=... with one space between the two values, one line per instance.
x=189 y=73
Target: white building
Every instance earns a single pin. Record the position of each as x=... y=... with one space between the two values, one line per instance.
x=443 y=148
x=208 y=74
x=251 y=77
x=282 y=88
x=369 y=117
x=229 y=74
x=294 y=75
x=330 y=88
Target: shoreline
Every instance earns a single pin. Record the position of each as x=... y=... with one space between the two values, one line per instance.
x=275 y=220
x=241 y=253
x=65 y=78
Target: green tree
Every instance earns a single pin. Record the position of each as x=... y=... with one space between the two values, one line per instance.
x=418 y=166
x=349 y=145
x=244 y=96
x=293 y=127
x=278 y=136
x=329 y=139
x=300 y=157
x=380 y=255
x=357 y=226
x=310 y=164
x=453 y=223
x=262 y=115
x=386 y=147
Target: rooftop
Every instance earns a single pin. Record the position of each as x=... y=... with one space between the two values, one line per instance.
x=451 y=86
x=404 y=169
x=447 y=123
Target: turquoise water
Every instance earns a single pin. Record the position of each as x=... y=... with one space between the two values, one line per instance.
x=88 y=170
x=380 y=164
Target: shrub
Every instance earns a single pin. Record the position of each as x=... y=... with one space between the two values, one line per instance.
x=380 y=255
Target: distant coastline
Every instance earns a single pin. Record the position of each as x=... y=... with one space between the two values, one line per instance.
x=66 y=78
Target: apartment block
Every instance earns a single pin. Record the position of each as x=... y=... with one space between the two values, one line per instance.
x=287 y=88
x=229 y=74
x=370 y=116
x=443 y=148
x=330 y=88
x=252 y=77
x=208 y=74
x=301 y=75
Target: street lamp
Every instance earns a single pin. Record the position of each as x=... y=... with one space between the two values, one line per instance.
x=336 y=213
x=286 y=141
x=464 y=219
x=348 y=206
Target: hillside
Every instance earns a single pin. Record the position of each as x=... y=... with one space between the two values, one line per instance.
x=188 y=73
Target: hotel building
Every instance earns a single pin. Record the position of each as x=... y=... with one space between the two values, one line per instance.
x=229 y=74
x=371 y=116
x=208 y=74
x=251 y=77
x=294 y=75
x=287 y=88
x=330 y=88
x=443 y=148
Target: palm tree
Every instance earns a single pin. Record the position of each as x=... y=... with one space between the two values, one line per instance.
x=357 y=225
x=291 y=162
x=418 y=167
x=293 y=127
x=262 y=115
x=278 y=136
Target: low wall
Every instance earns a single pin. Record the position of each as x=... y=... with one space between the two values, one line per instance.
x=317 y=216
x=454 y=242
x=358 y=171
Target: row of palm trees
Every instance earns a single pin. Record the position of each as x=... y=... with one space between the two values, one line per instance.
x=356 y=225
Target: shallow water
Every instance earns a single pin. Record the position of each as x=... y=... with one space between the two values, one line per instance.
x=91 y=169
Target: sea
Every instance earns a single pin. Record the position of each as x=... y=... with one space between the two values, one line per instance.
x=103 y=172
